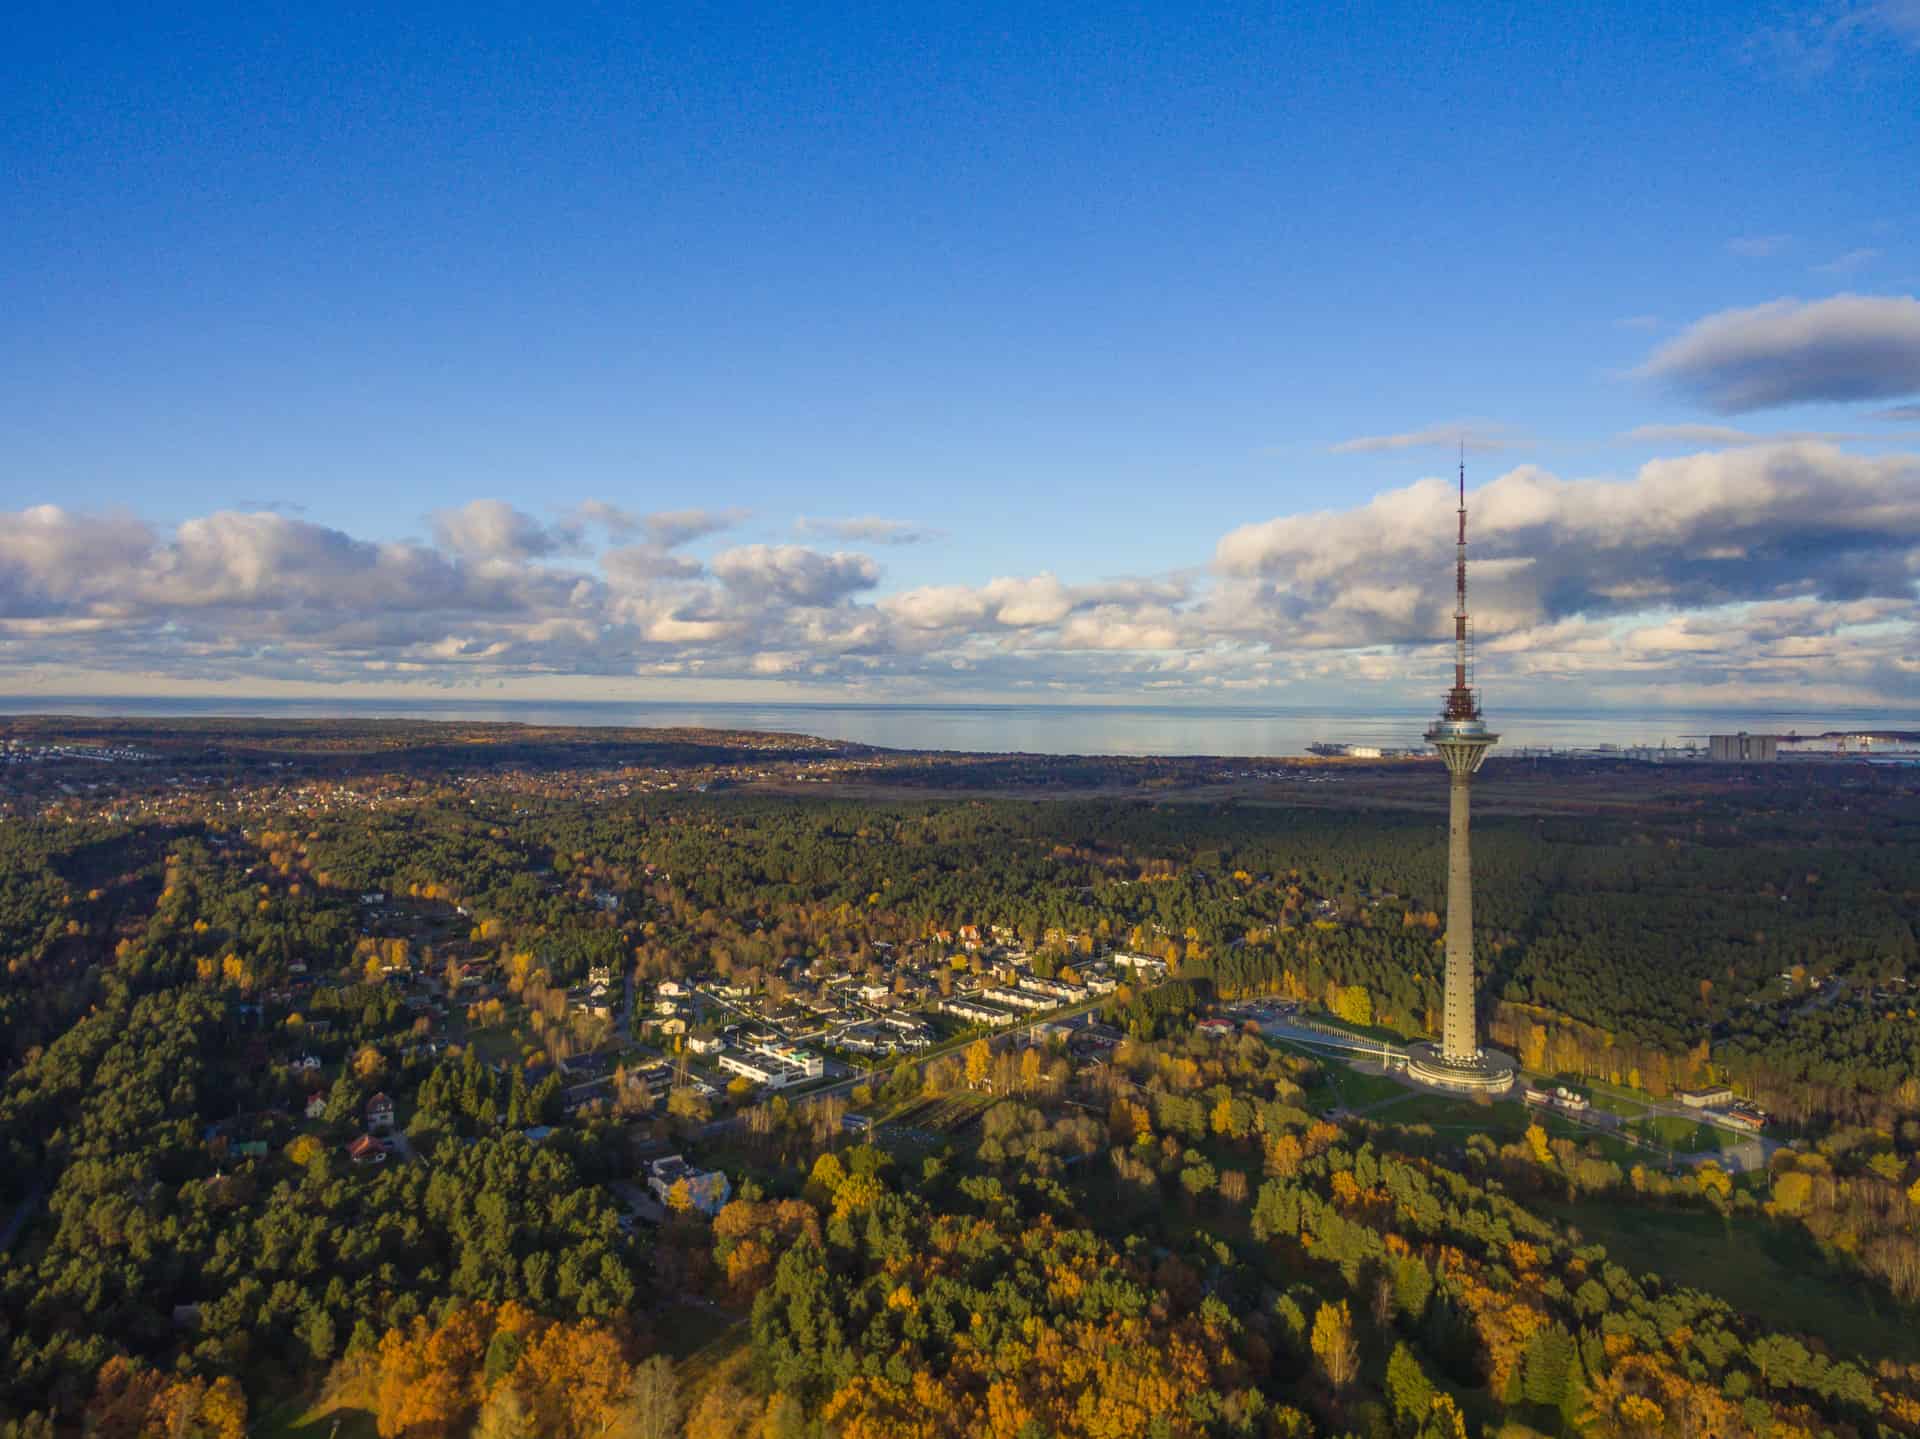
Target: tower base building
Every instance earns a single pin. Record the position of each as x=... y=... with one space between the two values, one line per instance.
x=1489 y=1072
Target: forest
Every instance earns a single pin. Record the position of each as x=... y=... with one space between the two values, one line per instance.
x=1187 y=1238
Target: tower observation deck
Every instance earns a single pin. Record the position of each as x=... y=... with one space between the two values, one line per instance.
x=1462 y=739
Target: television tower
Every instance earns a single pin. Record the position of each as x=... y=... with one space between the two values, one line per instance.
x=1462 y=739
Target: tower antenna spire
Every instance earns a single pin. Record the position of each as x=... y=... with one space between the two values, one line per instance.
x=1460 y=701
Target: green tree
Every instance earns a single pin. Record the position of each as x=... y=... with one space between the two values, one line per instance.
x=1408 y=1388
x=1550 y=1358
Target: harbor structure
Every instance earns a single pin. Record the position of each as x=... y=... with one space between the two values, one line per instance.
x=1743 y=748
x=1462 y=739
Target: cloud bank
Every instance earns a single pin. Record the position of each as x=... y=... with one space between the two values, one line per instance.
x=1761 y=570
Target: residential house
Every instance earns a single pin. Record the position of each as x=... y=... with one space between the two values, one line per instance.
x=772 y=1066
x=707 y=1190
x=976 y=1011
x=1143 y=966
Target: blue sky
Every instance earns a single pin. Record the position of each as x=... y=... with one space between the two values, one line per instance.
x=1081 y=292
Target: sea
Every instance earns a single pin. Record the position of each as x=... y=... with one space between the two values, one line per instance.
x=1061 y=729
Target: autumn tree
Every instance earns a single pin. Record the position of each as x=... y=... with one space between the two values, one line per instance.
x=504 y=1416
x=575 y=1379
x=979 y=1063
x=654 y=1408
x=1333 y=1343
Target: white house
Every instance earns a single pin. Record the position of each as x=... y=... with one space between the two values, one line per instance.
x=773 y=1066
x=707 y=1189
x=976 y=1011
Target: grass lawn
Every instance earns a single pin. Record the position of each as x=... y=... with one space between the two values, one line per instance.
x=1504 y=1119
x=297 y=1419
x=1358 y=1089
x=1771 y=1272
x=690 y=1333
x=1620 y=1151
x=1339 y=1087
x=494 y=1045
x=1614 y=1101
x=1685 y=1135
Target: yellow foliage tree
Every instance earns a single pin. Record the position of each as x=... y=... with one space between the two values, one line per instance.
x=1354 y=1004
x=1537 y=1144
x=828 y=1174
x=979 y=1063
x=858 y=1193
x=1333 y=1343
x=1714 y=1182
x=574 y=1378
x=1792 y=1189
x=1283 y=1156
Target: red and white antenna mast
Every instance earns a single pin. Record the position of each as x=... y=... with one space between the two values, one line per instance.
x=1460 y=703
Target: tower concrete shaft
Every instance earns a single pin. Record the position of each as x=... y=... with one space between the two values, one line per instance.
x=1459 y=1032
x=1458 y=1061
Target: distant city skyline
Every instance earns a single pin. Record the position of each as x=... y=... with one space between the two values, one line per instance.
x=891 y=358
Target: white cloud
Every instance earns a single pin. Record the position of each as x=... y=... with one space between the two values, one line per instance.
x=1727 y=435
x=868 y=529
x=794 y=573
x=1023 y=603
x=1707 y=529
x=936 y=607
x=1848 y=263
x=637 y=566
x=671 y=528
x=617 y=522
x=1789 y=352
x=1824 y=36
x=1477 y=439
x=493 y=529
